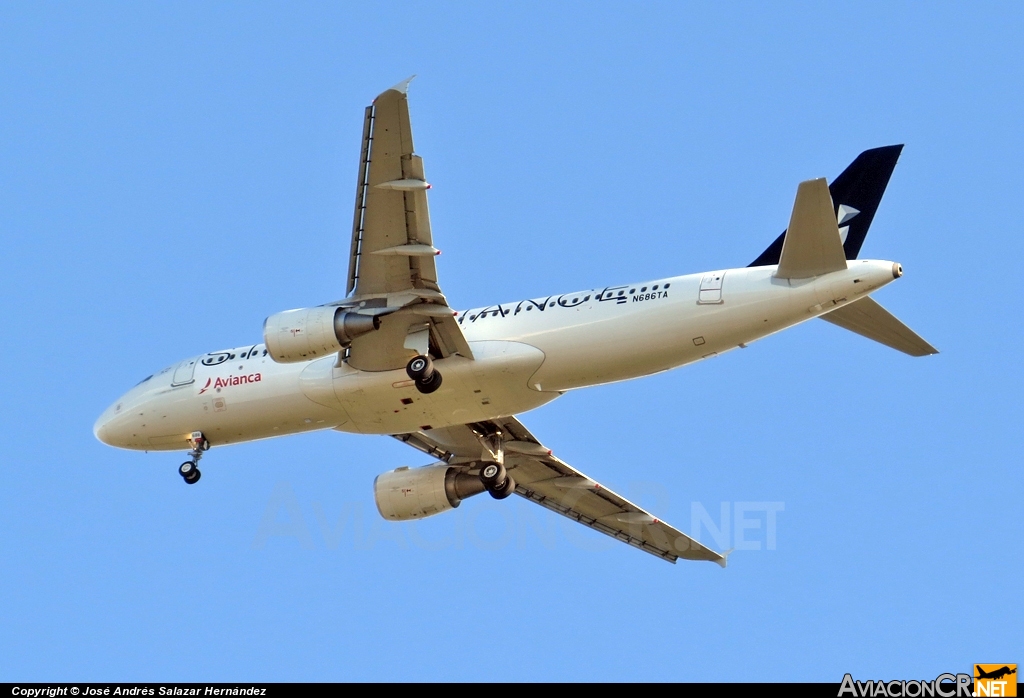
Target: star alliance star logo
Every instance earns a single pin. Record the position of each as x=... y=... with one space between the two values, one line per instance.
x=843 y=215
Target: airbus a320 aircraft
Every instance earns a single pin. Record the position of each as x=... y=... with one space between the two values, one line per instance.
x=394 y=358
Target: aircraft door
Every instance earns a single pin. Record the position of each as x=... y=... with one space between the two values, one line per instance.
x=183 y=373
x=711 y=288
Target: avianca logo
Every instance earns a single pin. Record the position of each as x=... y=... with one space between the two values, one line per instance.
x=229 y=381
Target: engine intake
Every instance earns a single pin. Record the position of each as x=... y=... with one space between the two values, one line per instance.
x=414 y=493
x=308 y=333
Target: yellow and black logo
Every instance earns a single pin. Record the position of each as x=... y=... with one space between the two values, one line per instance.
x=995 y=680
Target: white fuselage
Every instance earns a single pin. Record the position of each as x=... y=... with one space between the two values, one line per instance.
x=525 y=354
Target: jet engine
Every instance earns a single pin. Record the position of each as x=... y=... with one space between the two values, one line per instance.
x=308 y=333
x=413 y=493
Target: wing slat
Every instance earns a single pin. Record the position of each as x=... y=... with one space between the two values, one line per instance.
x=360 y=210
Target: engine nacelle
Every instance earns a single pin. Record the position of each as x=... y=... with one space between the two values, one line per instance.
x=308 y=333
x=413 y=493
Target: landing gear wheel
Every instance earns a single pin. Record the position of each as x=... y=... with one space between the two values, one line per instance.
x=493 y=474
x=190 y=471
x=430 y=384
x=420 y=368
x=497 y=480
x=504 y=489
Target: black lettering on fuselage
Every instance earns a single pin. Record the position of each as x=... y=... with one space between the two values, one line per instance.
x=650 y=296
x=616 y=294
x=538 y=304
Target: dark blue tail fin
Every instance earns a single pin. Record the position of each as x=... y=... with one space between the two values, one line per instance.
x=856 y=194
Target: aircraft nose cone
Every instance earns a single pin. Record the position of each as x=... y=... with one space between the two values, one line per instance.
x=110 y=427
x=101 y=429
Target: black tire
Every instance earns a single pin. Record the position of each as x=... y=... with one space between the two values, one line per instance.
x=430 y=384
x=505 y=489
x=420 y=368
x=493 y=475
x=186 y=468
x=193 y=478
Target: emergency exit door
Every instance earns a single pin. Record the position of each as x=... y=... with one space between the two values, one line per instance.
x=711 y=288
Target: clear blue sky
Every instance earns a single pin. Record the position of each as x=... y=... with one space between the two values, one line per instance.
x=170 y=174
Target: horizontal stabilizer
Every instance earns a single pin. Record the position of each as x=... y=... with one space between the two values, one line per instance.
x=868 y=319
x=812 y=246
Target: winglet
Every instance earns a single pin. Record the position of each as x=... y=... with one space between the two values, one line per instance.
x=403 y=86
x=725 y=558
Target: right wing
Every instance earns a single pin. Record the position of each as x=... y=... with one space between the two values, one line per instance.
x=544 y=479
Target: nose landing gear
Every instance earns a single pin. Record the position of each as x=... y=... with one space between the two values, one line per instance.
x=421 y=369
x=189 y=470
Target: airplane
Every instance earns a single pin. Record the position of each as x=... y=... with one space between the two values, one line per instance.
x=394 y=358
x=995 y=674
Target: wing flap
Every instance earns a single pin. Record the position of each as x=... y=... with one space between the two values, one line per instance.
x=603 y=510
x=869 y=319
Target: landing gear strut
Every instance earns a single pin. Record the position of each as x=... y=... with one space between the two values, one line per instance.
x=421 y=369
x=189 y=470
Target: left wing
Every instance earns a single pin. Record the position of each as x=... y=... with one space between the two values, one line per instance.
x=391 y=265
x=544 y=479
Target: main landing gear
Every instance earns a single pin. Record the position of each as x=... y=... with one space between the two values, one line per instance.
x=421 y=369
x=497 y=481
x=189 y=470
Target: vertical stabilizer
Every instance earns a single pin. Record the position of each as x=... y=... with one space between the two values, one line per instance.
x=856 y=194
